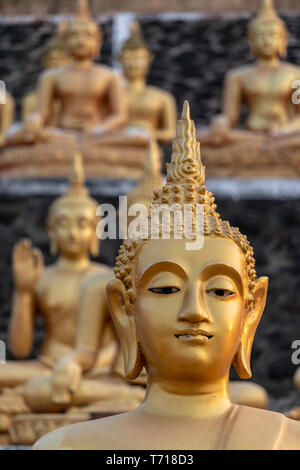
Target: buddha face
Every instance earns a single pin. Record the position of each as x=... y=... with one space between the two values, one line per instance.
x=83 y=39
x=72 y=231
x=190 y=307
x=189 y=316
x=268 y=40
x=135 y=63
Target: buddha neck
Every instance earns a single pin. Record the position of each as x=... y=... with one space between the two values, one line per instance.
x=79 y=263
x=82 y=63
x=189 y=400
x=268 y=61
x=137 y=85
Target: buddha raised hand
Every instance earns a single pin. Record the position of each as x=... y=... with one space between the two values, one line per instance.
x=187 y=311
x=53 y=291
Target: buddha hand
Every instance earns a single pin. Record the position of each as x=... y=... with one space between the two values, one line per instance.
x=97 y=131
x=32 y=127
x=65 y=381
x=28 y=265
x=220 y=130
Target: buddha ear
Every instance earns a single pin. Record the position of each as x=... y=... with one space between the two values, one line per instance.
x=283 y=47
x=242 y=358
x=53 y=241
x=94 y=246
x=121 y=312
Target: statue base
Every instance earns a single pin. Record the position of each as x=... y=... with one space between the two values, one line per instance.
x=27 y=429
x=266 y=158
x=110 y=158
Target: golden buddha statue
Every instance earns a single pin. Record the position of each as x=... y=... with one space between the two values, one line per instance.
x=152 y=178
x=149 y=108
x=266 y=146
x=297 y=378
x=55 y=56
x=92 y=110
x=7 y=111
x=186 y=311
x=52 y=292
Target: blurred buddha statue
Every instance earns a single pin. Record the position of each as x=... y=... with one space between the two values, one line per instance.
x=297 y=378
x=142 y=192
x=187 y=309
x=272 y=122
x=76 y=324
x=7 y=111
x=150 y=108
x=52 y=292
x=55 y=56
x=92 y=111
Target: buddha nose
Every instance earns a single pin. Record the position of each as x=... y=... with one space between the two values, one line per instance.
x=193 y=309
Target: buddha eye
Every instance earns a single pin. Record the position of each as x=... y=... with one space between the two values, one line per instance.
x=164 y=290
x=221 y=293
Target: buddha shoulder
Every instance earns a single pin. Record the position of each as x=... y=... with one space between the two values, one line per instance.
x=159 y=93
x=265 y=430
x=100 y=434
x=97 y=279
x=240 y=73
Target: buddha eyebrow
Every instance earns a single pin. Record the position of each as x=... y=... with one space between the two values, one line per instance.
x=166 y=266
x=226 y=269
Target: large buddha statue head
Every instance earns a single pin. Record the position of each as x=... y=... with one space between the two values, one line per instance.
x=81 y=34
x=72 y=219
x=187 y=314
x=135 y=55
x=268 y=35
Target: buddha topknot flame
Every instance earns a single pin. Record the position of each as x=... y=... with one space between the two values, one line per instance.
x=186 y=185
x=266 y=15
x=77 y=194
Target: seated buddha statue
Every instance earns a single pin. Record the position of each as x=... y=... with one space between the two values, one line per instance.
x=51 y=292
x=187 y=309
x=91 y=111
x=7 y=111
x=149 y=108
x=55 y=56
x=272 y=123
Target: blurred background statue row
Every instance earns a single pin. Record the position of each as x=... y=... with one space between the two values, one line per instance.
x=80 y=105
x=268 y=145
x=108 y=114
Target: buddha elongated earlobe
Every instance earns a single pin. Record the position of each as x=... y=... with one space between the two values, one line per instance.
x=123 y=319
x=94 y=246
x=242 y=358
x=53 y=245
